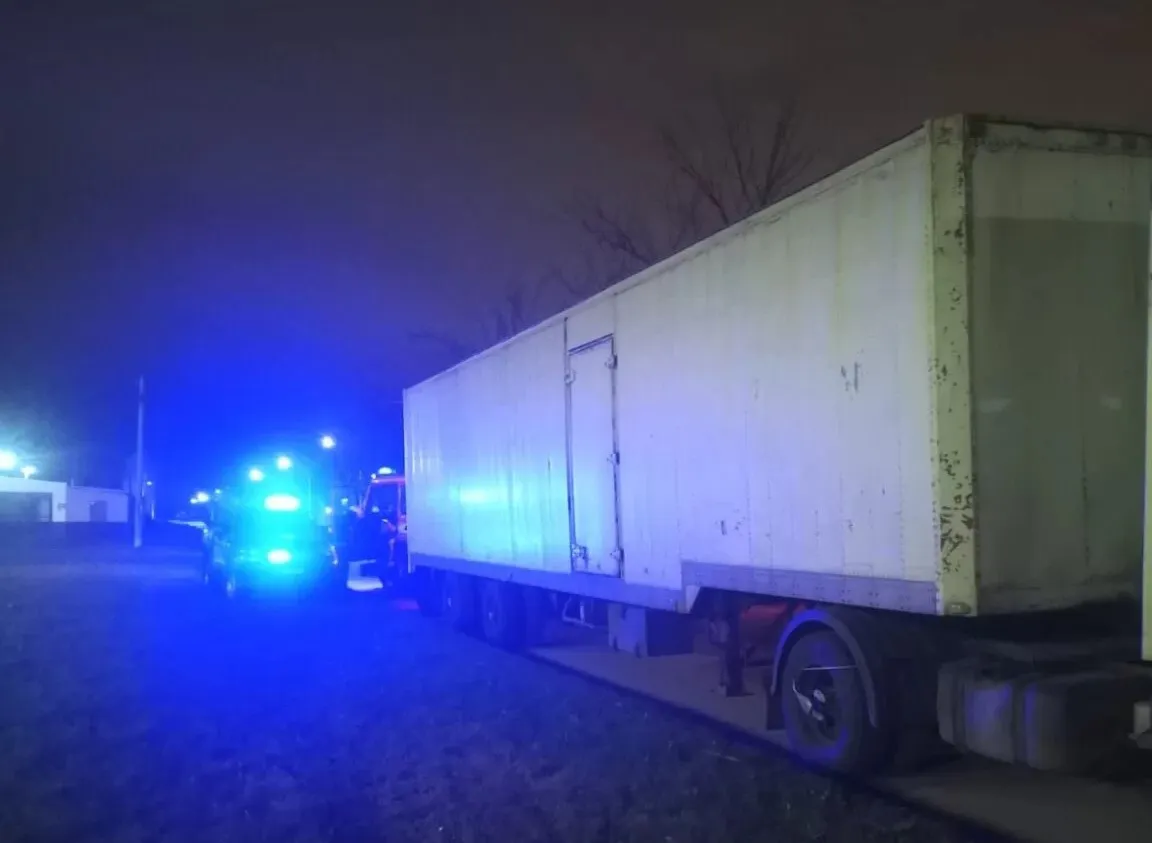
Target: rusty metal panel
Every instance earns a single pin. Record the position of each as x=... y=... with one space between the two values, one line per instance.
x=1059 y=251
x=1146 y=598
x=948 y=364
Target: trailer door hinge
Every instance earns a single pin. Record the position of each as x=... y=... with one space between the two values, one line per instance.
x=569 y=376
x=579 y=553
x=618 y=555
x=614 y=458
x=611 y=362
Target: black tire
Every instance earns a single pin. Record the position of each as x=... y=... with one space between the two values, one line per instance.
x=836 y=733
x=427 y=585
x=458 y=601
x=502 y=616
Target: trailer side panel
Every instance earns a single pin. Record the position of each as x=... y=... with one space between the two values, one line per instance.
x=771 y=429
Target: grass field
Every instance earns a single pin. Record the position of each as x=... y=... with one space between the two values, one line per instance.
x=136 y=707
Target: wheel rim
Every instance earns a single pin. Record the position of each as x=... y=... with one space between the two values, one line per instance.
x=821 y=717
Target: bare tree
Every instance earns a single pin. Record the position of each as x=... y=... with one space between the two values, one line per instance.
x=511 y=313
x=721 y=167
x=734 y=159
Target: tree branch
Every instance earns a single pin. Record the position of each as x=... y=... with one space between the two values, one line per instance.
x=719 y=173
x=454 y=348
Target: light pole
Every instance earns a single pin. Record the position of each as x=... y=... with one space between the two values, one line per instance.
x=328 y=443
x=138 y=498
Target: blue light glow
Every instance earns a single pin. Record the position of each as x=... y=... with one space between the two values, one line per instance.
x=385 y=471
x=279 y=557
x=255 y=475
x=283 y=463
x=282 y=503
x=327 y=442
x=474 y=496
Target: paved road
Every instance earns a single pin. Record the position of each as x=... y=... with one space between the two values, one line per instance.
x=134 y=707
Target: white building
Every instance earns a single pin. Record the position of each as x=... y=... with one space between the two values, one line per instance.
x=48 y=500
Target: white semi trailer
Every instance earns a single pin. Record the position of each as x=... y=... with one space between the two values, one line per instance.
x=909 y=400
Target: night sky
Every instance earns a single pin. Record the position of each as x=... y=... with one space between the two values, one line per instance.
x=256 y=204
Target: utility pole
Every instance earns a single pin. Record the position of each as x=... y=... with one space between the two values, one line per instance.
x=138 y=525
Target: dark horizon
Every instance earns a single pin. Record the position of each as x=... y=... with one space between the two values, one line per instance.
x=257 y=206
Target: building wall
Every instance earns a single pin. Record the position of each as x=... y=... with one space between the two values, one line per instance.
x=86 y=503
x=54 y=502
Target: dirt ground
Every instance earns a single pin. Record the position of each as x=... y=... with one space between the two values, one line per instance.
x=134 y=706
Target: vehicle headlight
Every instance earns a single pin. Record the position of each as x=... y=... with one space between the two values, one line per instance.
x=282 y=503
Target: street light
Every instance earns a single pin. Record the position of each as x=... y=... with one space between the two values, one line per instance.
x=28 y=471
x=255 y=475
x=201 y=497
x=7 y=461
x=327 y=442
x=283 y=463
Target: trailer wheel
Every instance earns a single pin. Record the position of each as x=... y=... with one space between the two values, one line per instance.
x=458 y=604
x=824 y=709
x=502 y=616
x=428 y=587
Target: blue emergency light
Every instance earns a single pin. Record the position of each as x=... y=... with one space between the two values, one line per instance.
x=282 y=503
x=279 y=557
